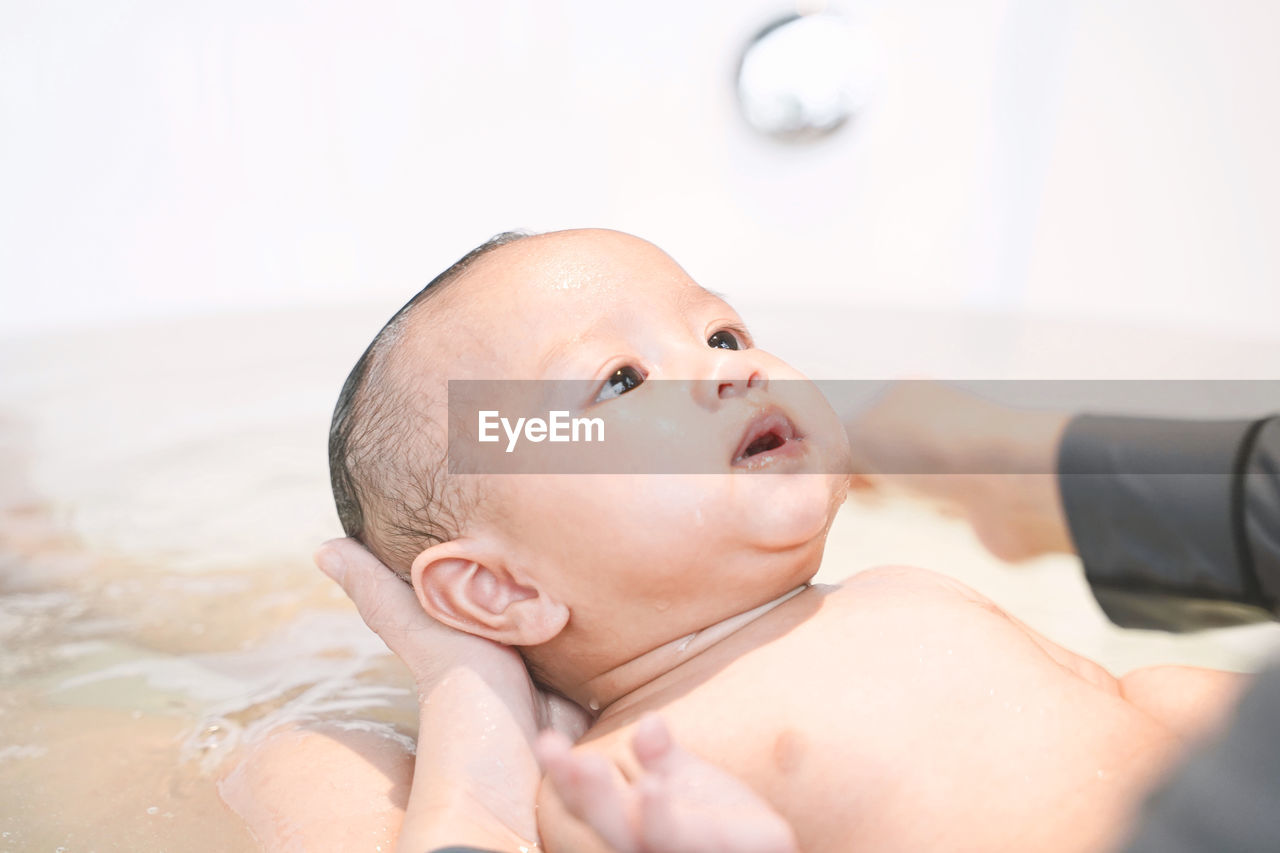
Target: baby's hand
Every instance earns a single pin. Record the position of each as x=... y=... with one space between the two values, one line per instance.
x=681 y=804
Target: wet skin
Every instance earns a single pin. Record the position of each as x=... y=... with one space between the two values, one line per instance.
x=904 y=711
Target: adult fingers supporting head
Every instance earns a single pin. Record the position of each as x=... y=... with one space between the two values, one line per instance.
x=343 y=560
x=428 y=648
x=386 y=603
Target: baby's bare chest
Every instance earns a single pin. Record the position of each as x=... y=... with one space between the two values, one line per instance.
x=873 y=668
x=898 y=697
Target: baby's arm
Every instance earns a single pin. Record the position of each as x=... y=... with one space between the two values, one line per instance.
x=1191 y=701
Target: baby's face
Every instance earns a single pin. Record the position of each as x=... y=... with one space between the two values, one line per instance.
x=643 y=558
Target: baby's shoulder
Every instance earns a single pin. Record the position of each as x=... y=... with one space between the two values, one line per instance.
x=906 y=577
x=908 y=581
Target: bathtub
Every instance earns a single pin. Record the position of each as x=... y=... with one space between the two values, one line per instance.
x=162 y=487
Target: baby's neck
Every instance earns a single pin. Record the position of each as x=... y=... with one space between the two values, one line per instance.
x=598 y=694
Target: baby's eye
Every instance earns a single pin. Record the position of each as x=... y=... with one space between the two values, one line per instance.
x=724 y=339
x=622 y=381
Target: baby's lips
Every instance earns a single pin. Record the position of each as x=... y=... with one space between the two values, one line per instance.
x=768 y=430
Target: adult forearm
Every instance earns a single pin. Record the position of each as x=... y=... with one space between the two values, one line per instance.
x=475 y=776
x=995 y=464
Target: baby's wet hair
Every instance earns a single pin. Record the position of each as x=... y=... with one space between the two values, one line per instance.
x=385 y=465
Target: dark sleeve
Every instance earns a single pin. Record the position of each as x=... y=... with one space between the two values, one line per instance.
x=1177 y=522
x=1224 y=797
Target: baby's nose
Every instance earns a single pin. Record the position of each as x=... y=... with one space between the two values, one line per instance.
x=736 y=373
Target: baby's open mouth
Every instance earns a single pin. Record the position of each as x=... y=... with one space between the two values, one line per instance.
x=769 y=431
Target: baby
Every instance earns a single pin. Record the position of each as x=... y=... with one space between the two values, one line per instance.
x=900 y=710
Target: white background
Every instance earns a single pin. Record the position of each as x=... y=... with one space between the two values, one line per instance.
x=1091 y=159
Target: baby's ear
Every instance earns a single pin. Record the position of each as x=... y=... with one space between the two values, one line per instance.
x=468 y=586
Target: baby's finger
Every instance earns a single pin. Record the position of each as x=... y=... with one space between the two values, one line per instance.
x=589 y=790
x=652 y=744
x=659 y=754
x=661 y=826
x=670 y=826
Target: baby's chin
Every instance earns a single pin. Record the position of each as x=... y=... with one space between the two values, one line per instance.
x=797 y=513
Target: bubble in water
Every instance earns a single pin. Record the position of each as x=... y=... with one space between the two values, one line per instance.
x=153 y=810
x=594 y=704
x=215 y=735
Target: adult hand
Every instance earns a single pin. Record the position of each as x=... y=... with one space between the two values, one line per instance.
x=679 y=804
x=475 y=775
x=995 y=465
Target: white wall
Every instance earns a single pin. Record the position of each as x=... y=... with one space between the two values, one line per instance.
x=1110 y=160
